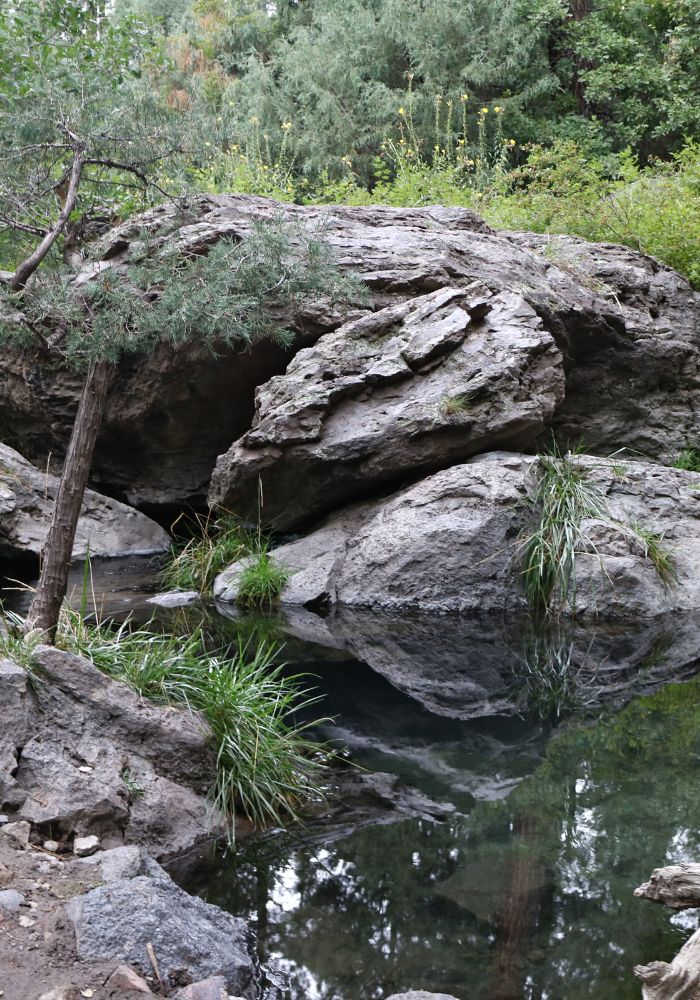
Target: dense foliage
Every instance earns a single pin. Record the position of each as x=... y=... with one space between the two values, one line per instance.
x=578 y=116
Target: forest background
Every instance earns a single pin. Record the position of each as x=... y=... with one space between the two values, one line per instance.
x=558 y=116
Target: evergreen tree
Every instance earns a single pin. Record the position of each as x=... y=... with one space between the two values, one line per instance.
x=83 y=142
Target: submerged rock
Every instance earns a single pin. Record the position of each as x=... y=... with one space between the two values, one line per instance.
x=454 y=541
x=105 y=528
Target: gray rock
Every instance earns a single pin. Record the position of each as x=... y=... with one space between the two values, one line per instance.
x=80 y=697
x=190 y=937
x=60 y=794
x=89 y=733
x=83 y=847
x=11 y=900
x=17 y=833
x=121 y=863
x=105 y=528
x=51 y=845
x=421 y=995
x=14 y=701
x=124 y=979
x=175 y=599
x=206 y=989
x=626 y=326
x=452 y=542
x=408 y=389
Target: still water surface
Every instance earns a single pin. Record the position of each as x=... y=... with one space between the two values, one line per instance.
x=524 y=892
x=565 y=798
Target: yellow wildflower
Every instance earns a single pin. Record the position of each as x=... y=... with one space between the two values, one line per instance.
x=464 y=97
x=286 y=126
x=401 y=111
x=484 y=111
x=498 y=109
x=254 y=120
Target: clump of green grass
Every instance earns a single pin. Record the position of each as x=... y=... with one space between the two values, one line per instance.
x=262 y=581
x=14 y=643
x=653 y=549
x=196 y=563
x=688 y=459
x=452 y=406
x=266 y=766
x=566 y=499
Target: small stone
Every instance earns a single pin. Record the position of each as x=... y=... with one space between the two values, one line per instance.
x=124 y=978
x=11 y=900
x=51 y=845
x=3 y=819
x=26 y=921
x=17 y=833
x=174 y=598
x=83 y=847
x=89 y=992
x=86 y=769
x=206 y=989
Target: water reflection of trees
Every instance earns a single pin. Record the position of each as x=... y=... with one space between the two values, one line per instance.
x=529 y=897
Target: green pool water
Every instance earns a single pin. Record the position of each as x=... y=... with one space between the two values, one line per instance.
x=524 y=892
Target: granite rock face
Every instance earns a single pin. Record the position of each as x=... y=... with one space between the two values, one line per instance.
x=619 y=328
x=429 y=382
x=83 y=755
x=453 y=542
x=106 y=527
x=192 y=940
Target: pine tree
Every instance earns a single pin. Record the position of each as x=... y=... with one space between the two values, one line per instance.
x=83 y=142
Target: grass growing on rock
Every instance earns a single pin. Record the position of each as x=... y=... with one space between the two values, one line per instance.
x=266 y=766
x=262 y=581
x=688 y=459
x=568 y=501
x=196 y=563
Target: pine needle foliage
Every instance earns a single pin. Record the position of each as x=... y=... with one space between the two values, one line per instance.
x=235 y=295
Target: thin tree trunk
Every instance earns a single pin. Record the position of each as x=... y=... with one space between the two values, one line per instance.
x=46 y=604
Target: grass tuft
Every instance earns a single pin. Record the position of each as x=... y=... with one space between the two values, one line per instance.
x=262 y=581
x=566 y=499
x=196 y=563
x=688 y=460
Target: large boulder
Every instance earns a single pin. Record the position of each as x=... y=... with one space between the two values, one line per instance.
x=625 y=327
x=453 y=542
x=85 y=755
x=105 y=528
x=429 y=382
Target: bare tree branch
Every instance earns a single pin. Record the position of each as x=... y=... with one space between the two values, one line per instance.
x=25 y=270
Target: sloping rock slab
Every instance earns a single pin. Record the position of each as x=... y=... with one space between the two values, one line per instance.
x=85 y=755
x=105 y=528
x=453 y=542
x=192 y=940
x=414 y=386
